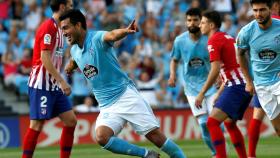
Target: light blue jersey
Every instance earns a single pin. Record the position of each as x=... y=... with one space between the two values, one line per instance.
x=264 y=47
x=196 y=63
x=99 y=64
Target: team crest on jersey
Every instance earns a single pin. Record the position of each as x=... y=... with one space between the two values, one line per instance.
x=47 y=39
x=43 y=111
x=196 y=62
x=277 y=39
x=267 y=55
x=90 y=71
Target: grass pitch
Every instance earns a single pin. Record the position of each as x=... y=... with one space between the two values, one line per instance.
x=267 y=148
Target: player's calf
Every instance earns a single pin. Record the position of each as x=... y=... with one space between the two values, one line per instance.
x=165 y=144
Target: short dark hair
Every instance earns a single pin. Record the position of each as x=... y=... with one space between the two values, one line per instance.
x=54 y=4
x=267 y=2
x=75 y=16
x=275 y=1
x=213 y=16
x=194 y=12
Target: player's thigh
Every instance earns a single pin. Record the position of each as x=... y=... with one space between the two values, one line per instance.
x=269 y=100
x=210 y=102
x=137 y=112
x=233 y=101
x=110 y=119
x=62 y=104
x=258 y=113
x=197 y=111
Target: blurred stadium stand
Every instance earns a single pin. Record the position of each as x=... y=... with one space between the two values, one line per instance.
x=160 y=21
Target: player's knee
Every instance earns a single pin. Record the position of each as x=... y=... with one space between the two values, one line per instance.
x=101 y=138
x=71 y=122
x=277 y=129
x=36 y=125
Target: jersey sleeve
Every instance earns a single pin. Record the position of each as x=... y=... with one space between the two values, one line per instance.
x=48 y=38
x=214 y=49
x=100 y=35
x=242 y=40
x=175 y=53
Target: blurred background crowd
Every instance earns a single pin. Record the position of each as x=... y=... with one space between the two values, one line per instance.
x=145 y=56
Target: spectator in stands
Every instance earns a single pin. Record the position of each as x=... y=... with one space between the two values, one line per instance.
x=164 y=95
x=10 y=68
x=89 y=105
x=228 y=26
x=78 y=93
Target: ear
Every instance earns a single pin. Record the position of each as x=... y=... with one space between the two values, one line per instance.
x=79 y=25
x=62 y=7
x=212 y=25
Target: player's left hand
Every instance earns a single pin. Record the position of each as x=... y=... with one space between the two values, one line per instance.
x=198 y=100
x=132 y=27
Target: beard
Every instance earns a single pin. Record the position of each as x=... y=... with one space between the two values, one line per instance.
x=193 y=29
x=265 y=20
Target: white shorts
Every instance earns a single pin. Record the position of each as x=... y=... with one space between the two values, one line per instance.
x=131 y=108
x=207 y=105
x=269 y=97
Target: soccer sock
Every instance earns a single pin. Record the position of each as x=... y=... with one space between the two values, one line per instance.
x=119 y=146
x=236 y=138
x=254 y=133
x=29 y=143
x=205 y=133
x=172 y=149
x=66 y=141
x=206 y=138
x=217 y=137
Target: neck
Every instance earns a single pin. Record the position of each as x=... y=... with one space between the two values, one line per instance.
x=195 y=36
x=82 y=39
x=266 y=25
x=211 y=33
x=56 y=16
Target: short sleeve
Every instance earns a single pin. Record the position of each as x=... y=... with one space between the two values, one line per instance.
x=175 y=53
x=242 y=39
x=48 y=38
x=214 y=49
x=100 y=35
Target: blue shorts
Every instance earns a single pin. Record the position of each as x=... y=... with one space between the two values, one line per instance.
x=234 y=100
x=255 y=102
x=45 y=105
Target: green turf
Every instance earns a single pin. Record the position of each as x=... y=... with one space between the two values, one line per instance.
x=267 y=148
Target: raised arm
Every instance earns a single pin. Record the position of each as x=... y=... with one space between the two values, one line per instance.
x=118 y=34
x=243 y=62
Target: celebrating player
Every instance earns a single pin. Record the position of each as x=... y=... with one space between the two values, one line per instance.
x=119 y=101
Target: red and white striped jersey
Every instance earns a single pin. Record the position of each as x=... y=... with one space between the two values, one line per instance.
x=48 y=37
x=222 y=48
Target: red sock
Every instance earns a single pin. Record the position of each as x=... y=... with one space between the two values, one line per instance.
x=66 y=141
x=236 y=138
x=29 y=143
x=217 y=137
x=254 y=133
